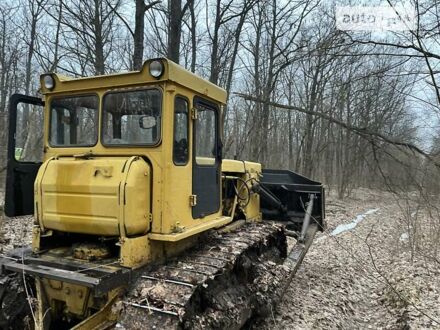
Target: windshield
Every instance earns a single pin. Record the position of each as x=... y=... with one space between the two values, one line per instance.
x=74 y=121
x=132 y=117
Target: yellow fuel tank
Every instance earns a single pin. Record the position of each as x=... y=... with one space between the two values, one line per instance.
x=99 y=196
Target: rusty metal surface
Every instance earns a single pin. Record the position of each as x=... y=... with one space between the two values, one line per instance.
x=99 y=278
x=91 y=251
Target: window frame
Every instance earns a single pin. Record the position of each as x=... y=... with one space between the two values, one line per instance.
x=19 y=129
x=188 y=119
x=49 y=135
x=132 y=145
x=216 y=109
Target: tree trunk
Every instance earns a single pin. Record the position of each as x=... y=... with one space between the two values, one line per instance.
x=99 y=44
x=138 y=37
x=308 y=148
x=174 y=29
x=193 y=36
x=215 y=69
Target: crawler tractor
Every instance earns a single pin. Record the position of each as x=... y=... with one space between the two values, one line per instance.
x=138 y=222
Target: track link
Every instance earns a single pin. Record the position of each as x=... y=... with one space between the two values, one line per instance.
x=220 y=284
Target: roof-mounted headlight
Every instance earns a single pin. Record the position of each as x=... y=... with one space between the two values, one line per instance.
x=156 y=68
x=48 y=81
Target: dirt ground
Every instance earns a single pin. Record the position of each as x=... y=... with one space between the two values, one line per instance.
x=362 y=278
x=14 y=232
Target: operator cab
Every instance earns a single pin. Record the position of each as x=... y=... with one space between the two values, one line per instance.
x=71 y=154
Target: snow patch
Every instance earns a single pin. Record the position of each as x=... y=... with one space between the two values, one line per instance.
x=404 y=237
x=349 y=226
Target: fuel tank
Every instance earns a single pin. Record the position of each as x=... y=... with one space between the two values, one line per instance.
x=108 y=196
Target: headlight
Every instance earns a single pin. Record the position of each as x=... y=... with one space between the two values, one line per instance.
x=48 y=81
x=156 y=68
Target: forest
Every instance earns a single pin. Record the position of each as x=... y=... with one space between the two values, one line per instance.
x=358 y=110
x=381 y=86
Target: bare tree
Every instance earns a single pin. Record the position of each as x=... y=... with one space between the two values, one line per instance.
x=139 y=30
x=88 y=31
x=273 y=48
x=11 y=49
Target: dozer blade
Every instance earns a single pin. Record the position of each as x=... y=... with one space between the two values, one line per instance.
x=221 y=284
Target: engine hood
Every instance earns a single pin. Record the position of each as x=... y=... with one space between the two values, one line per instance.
x=108 y=196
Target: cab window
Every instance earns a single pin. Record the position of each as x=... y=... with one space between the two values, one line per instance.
x=74 y=121
x=205 y=135
x=28 y=133
x=132 y=117
x=180 y=146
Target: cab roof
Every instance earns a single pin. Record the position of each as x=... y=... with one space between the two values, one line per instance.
x=172 y=72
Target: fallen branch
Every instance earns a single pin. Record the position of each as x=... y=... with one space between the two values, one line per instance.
x=362 y=131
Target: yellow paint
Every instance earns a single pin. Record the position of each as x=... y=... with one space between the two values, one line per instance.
x=93 y=195
x=135 y=252
x=191 y=231
x=233 y=166
x=136 y=195
x=249 y=172
x=253 y=172
x=75 y=296
x=135 y=198
x=78 y=301
x=167 y=180
x=99 y=196
x=102 y=319
x=173 y=73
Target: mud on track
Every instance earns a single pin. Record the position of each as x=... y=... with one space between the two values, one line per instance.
x=220 y=284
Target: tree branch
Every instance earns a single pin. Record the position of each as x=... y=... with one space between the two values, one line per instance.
x=362 y=131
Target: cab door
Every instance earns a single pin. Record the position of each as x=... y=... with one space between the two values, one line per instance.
x=206 y=159
x=25 y=153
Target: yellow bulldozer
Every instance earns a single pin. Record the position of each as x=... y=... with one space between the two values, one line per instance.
x=138 y=221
